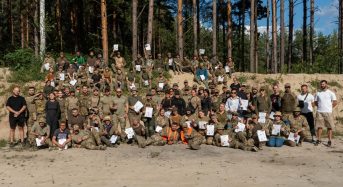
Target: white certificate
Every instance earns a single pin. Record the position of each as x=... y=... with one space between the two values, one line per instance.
x=262 y=117
x=293 y=138
x=115 y=47
x=161 y=85
x=47 y=66
x=147 y=47
x=39 y=141
x=62 y=76
x=188 y=124
x=241 y=127
x=244 y=104
x=132 y=86
x=170 y=62
x=202 y=51
x=202 y=124
x=271 y=116
x=276 y=129
x=73 y=82
x=138 y=106
x=96 y=129
x=61 y=141
x=138 y=67
x=52 y=83
x=262 y=137
x=148 y=112
x=224 y=140
x=146 y=82
x=167 y=114
x=227 y=69
x=91 y=69
x=220 y=79
x=210 y=130
x=113 y=139
x=158 y=129
x=129 y=132
x=202 y=77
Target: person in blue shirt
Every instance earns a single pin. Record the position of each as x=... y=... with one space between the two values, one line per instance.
x=201 y=75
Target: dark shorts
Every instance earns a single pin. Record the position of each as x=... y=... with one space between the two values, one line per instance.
x=14 y=122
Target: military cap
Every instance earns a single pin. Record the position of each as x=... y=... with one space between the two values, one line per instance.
x=175 y=84
x=186 y=81
x=107 y=118
x=149 y=94
x=234 y=113
x=220 y=126
x=278 y=113
x=297 y=109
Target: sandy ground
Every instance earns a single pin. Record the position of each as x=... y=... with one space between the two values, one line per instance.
x=174 y=166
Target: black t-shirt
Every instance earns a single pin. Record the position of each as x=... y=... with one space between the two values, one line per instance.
x=276 y=102
x=16 y=103
x=61 y=134
x=96 y=78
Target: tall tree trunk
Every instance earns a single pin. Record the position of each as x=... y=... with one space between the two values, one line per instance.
x=267 y=37
x=229 y=29
x=134 y=29
x=311 y=31
x=22 y=21
x=242 y=64
x=274 y=37
x=150 y=22
x=195 y=27
x=59 y=26
x=214 y=28
x=10 y=21
x=305 y=32
x=104 y=31
x=179 y=28
x=198 y=21
x=35 y=28
x=256 y=39
x=282 y=35
x=42 y=27
x=340 y=36
x=252 y=36
x=290 y=35
x=27 y=24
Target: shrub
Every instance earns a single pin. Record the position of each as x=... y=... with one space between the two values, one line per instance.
x=335 y=83
x=24 y=65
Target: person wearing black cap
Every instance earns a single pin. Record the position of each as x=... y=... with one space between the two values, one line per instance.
x=179 y=102
x=167 y=102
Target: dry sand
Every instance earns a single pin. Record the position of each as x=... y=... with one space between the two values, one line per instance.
x=175 y=166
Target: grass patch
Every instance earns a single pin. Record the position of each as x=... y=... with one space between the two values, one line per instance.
x=270 y=81
x=3 y=143
x=335 y=84
x=242 y=79
x=315 y=83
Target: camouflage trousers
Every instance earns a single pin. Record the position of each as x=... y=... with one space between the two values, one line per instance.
x=195 y=142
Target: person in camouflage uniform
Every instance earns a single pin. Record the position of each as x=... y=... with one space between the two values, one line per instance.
x=284 y=131
x=31 y=109
x=82 y=76
x=190 y=137
x=132 y=100
x=39 y=102
x=201 y=129
x=84 y=102
x=119 y=62
x=178 y=64
x=139 y=137
x=170 y=135
x=62 y=103
x=298 y=125
x=41 y=131
x=70 y=103
x=82 y=139
x=95 y=99
x=194 y=102
x=288 y=101
x=107 y=130
x=213 y=121
x=145 y=79
x=150 y=122
x=120 y=110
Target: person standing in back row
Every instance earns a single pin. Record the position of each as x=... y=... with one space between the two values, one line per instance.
x=16 y=105
x=306 y=103
x=325 y=100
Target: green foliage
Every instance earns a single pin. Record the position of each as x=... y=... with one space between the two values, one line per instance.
x=315 y=83
x=242 y=78
x=270 y=81
x=24 y=65
x=3 y=143
x=335 y=84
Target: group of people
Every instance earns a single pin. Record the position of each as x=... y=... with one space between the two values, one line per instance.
x=84 y=105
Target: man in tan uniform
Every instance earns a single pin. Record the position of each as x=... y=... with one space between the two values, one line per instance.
x=121 y=108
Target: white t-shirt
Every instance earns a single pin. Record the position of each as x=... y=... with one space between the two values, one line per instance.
x=232 y=104
x=307 y=103
x=324 y=99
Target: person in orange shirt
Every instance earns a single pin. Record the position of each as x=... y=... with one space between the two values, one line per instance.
x=170 y=134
